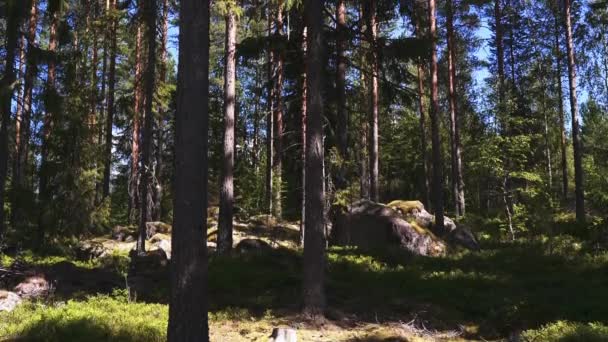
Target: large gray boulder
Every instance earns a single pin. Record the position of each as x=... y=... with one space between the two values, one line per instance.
x=9 y=300
x=415 y=213
x=369 y=225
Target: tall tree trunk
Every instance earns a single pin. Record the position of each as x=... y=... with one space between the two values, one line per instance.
x=111 y=96
x=145 y=186
x=107 y=27
x=23 y=121
x=278 y=120
x=435 y=123
x=314 y=243
x=499 y=54
x=224 y=241
x=188 y=302
x=342 y=114
x=576 y=139
x=426 y=164
x=303 y=114
x=134 y=201
x=94 y=92
x=270 y=122
x=562 y=120
x=372 y=32
x=158 y=170
x=47 y=126
x=456 y=148
x=6 y=93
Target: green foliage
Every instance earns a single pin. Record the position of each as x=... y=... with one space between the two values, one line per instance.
x=99 y=318
x=564 y=331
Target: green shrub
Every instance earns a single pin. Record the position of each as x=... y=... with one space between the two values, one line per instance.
x=564 y=331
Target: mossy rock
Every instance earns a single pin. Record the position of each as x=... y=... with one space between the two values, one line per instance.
x=159 y=237
x=406 y=207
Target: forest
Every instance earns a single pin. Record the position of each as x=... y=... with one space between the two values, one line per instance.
x=304 y=170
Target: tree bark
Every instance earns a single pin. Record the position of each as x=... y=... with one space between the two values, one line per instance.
x=435 y=123
x=562 y=119
x=456 y=148
x=270 y=121
x=278 y=120
x=224 y=241
x=576 y=139
x=426 y=162
x=372 y=32
x=6 y=93
x=134 y=200
x=342 y=114
x=500 y=58
x=188 y=303
x=146 y=181
x=303 y=114
x=111 y=97
x=23 y=120
x=47 y=126
x=158 y=170
x=314 y=243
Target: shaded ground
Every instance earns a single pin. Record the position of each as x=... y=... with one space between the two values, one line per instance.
x=384 y=296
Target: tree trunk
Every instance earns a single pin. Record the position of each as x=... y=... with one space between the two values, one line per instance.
x=270 y=122
x=456 y=148
x=562 y=120
x=278 y=120
x=303 y=114
x=188 y=303
x=426 y=163
x=47 y=126
x=6 y=93
x=314 y=243
x=342 y=114
x=158 y=170
x=576 y=139
x=435 y=123
x=224 y=241
x=145 y=185
x=23 y=121
x=111 y=96
x=372 y=32
x=499 y=54
x=134 y=201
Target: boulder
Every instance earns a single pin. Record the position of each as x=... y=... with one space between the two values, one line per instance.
x=162 y=241
x=252 y=246
x=267 y=221
x=33 y=287
x=123 y=233
x=414 y=212
x=153 y=228
x=284 y=335
x=101 y=247
x=9 y=300
x=369 y=225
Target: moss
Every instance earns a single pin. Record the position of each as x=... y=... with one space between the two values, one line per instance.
x=564 y=331
x=406 y=207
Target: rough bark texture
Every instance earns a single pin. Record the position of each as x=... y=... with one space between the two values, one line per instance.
x=224 y=241
x=456 y=148
x=158 y=152
x=499 y=52
x=138 y=98
x=426 y=163
x=270 y=121
x=314 y=240
x=145 y=186
x=342 y=114
x=188 y=303
x=278 y=120
x=110 y=104
x=562 y=120
x=23 y=119
x=303 y=114
x=435 y=122
x=576 y=139
x=51 y=106
x=6 y=94
x=372 y=33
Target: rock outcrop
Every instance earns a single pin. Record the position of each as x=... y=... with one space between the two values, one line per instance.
x=369 y=225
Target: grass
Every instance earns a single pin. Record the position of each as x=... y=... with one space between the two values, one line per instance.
x=549 y=288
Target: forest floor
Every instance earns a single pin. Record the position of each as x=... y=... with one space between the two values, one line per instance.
x=538 y=289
